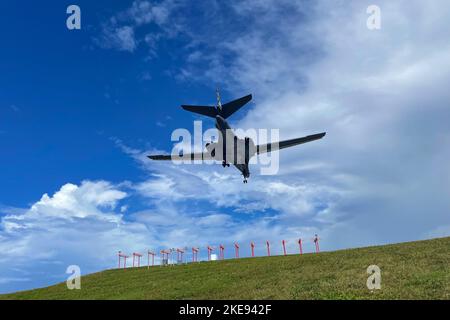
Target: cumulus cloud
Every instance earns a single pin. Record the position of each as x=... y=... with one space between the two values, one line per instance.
x=76 y=225
x=78 y=201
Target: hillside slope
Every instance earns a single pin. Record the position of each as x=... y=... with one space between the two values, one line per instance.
x=414 y=270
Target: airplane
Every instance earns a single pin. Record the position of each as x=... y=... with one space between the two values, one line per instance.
x=239 y=151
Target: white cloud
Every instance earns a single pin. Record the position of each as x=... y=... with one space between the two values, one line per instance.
x=215 y=220
x=144 y=12
x=124 y=37
x=121 y=38
x=76 y=225
x=160 y=187
x=73 y=201
x=119 y=32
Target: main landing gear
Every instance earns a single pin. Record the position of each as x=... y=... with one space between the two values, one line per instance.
x=224 y=164
x=245 y=180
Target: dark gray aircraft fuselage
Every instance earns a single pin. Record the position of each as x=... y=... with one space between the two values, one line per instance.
x=237 y=151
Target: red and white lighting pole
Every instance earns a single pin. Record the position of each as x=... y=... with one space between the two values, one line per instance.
x=236 y=250
x=164 y=256
x=284 y=246
x=124 y=256
x=316 y=242
x=210 y=249
x=194 y=254
x=150 y=253
x=300 y=245
x=253 y=248
x=268 y=248
x=221 y=252
x=138 y=256
x=180 y=253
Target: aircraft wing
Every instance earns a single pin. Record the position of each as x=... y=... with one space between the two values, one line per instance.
x=190 y=156
x=160 y=157
x=262 y=148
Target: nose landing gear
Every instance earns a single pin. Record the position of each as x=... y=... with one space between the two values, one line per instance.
x=246 y=175
x=225 y=164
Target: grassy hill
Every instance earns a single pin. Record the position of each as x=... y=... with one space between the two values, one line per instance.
x=414 y=270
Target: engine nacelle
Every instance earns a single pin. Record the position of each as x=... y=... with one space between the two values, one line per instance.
x=211 y=148
x=250 y=149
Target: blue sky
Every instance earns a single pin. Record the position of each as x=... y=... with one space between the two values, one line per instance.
x=63 y=98
x=80 y=110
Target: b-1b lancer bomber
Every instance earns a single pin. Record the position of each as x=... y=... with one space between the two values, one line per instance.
x=230 y=149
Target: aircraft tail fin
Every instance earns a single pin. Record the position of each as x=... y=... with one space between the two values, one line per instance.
x=224 y=110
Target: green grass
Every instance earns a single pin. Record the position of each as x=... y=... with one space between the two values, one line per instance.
x=414 y=270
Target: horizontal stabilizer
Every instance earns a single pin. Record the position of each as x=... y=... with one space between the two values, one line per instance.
x=204 y=110
x=231 y=107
